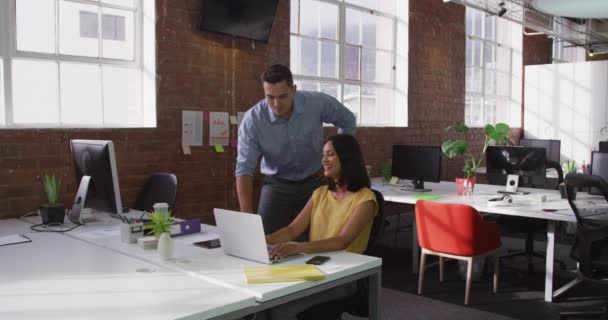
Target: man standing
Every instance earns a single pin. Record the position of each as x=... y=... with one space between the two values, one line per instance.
x=286 y=128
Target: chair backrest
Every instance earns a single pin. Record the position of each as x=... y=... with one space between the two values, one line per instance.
x=580 y=180
x=445 y=227
x=591 y=234
x=378 y=224
x=160 y=187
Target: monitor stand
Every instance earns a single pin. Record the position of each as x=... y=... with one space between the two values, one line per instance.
x=75 y=213
x=417 y=186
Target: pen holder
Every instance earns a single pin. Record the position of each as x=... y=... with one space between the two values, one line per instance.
x=130 y=232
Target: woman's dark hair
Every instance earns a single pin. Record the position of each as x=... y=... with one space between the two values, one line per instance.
x=277 y=73
x=353 y=173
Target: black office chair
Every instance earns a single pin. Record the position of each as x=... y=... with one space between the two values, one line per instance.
x=530 y=226
x=358 y=303
x=590 y=246
x=160 y=187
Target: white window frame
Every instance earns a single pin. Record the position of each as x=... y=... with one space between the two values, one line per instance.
x=341 y=81
x=482 y=95
x=143 y=60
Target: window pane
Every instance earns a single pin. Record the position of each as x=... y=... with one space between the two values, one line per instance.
x=307 y=85
x=376 y=31
x=368 y=105
x=473 y=80
x=41 y=107
x=489 y=27
x=470 y=16
x=329 y=60
x=35 y=25
x=121 y=96
x=353 y=22
x=294 y=14
x=351 y=62
x=80 y=94
x=2 y=110
x=380 y=5
x=489 y=55
x=352 y=99
x=476 y=53
x=490 y=82
x=118 y=34
x=489 y=111
x=294 y=54
x=329 y=20
x=332 y=89
x=309 y=57
x=78 y=29
x=310 y=24
x=124 y=3
x=503 y=84
x=376 y=66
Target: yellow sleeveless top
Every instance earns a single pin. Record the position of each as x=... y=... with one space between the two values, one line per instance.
x=330 y=215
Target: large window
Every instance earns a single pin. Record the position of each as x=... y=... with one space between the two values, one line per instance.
x=356 y=51
x=493 y=70
x=77 y=64
x=564 y=51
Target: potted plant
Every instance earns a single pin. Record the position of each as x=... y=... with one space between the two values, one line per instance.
x=52 y=212
x=161 y=227
x=455 y=148
x=569 y=167
x=386 y=171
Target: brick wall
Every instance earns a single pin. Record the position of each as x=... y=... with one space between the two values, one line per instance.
x=210 y=72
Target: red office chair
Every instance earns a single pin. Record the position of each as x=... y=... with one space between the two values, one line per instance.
x=458 y=232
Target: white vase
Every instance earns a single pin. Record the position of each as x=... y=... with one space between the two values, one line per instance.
x=165 y=246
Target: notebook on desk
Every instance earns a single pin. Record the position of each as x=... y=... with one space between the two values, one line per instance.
x=242 y=235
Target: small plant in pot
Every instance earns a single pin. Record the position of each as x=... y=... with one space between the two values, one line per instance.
x=460 y=148
x=52 y=212
x=569 y=167
x=161 y=228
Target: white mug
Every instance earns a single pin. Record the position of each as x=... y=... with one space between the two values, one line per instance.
x=161 y=207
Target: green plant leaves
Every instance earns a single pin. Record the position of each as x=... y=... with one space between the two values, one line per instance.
x=454 y=148
x=161 y=223
x=498 y=133
x=51 y=188
x=458 y=127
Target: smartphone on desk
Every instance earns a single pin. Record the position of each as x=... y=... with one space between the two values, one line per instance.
x=209 y=244
x=317 y=260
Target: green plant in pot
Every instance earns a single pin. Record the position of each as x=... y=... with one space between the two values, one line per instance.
x=52 y=211
x=498 y=133
x=161 y=227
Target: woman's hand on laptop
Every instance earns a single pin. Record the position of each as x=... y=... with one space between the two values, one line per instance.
x=285 y=249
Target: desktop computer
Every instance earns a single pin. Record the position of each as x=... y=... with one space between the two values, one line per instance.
x=418 y=164
x=529 y=163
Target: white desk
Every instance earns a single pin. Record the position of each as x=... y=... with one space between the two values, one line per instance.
x=57 y=277
x=524 y=206
x=215 y=267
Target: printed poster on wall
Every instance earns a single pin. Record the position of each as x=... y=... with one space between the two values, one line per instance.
x=219 y=128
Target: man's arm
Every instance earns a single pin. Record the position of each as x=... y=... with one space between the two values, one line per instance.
x=244 y=191
x=337 y=114
x=248 y=153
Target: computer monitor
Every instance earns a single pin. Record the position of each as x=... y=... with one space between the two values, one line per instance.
x=552 y=147
x=599 y=167
x=97 y=176
x=417 y=163
x=603 y=146
x=527 y=162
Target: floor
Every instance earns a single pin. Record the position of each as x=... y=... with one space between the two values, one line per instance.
x=520 y=292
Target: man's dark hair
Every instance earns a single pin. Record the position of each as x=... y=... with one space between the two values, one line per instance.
x=277 y=73
x=353 y=173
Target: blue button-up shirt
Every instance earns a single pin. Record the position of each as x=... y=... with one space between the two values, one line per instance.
x=291 y=149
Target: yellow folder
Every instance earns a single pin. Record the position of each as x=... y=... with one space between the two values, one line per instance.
x=283 y=273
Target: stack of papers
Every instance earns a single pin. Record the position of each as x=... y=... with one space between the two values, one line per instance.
x=290 y=273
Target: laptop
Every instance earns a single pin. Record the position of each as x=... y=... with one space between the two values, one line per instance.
x=242 y=236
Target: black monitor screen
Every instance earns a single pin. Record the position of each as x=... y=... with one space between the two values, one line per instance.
x=96 y=159
x=599 y=167
x=551 y=146
x=417 y=163
x=603 y=145
x=243 y=18
x=527 y=162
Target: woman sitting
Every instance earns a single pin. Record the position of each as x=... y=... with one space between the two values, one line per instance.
x=339 y=216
